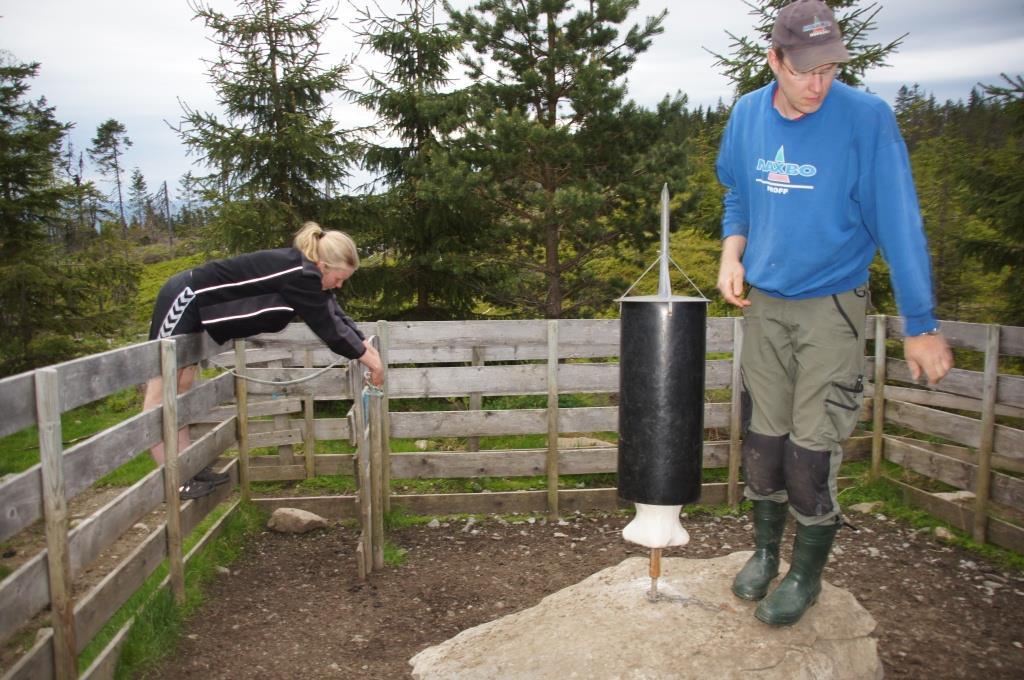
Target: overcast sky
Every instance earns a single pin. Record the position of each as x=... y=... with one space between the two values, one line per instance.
x=133 y=60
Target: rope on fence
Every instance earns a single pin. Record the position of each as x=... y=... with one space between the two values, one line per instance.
x=282 y=383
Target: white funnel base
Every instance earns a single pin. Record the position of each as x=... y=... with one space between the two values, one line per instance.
x=656 y=526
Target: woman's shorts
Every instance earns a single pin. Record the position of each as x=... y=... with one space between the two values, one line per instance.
x=174 y=313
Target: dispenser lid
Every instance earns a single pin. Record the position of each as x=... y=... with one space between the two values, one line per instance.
x=662 y=298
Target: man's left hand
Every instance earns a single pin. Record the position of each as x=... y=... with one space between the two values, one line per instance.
x=928 y=354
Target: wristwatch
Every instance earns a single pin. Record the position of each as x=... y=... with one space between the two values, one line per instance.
x=934 y=331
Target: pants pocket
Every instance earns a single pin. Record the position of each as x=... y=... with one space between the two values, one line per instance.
x=842 y=405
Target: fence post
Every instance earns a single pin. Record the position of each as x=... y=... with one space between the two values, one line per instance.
x=282 y=421
x=55 y=512
x=385 y=429
x=309 y=431
x=735 y=413
x=552 y=457
x=242 y=402
x=376 y=486
x=878 y=403
x=172 y=475
x=988 y=427
x=476 y=399
x=362 y=458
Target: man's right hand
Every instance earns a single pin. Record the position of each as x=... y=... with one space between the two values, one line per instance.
x=731 y=272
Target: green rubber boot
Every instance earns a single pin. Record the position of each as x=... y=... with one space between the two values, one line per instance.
x=769 y=521
x=802 y=585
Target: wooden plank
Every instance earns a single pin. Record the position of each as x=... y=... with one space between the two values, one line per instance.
x=330 y=507
x=962 y=474
x=476 y=399
x=963 y=382
x=276 y=473
x=934 y=465
x=106 y=597
x=360 y=419
x=258 y=356
x=96 y=376
x=1000 y=533
x=276 y=438
x=551 y=377
x=587 y=338
x=87 y=461
x=242 y=422
x=735 y=413
x=330 y=382
x=308 y=425
x=103 y=527
x=509 y=462
x=963 y=453
x=83 y=463
x=17 y=403
x=508 y=502
x=286 y=449
x=455 y=381
x=335 y=464
x=90 y=378
x=55 y=513
x=25 y=592
x=269 y=407
x=878 y=398
x=983 y=480
x=1008 y=442
x=37 y=662
x=522 y=421
x=971 y=335
x=384 y=335
x=376 y=482
x=169 y=404
x=934 y=398
x=103 y=667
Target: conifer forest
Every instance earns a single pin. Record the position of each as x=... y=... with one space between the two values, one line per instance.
x=512 y=175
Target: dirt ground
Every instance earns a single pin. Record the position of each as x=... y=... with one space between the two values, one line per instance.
x=293 y=606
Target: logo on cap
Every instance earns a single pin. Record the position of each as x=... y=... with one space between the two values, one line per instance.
x=818 y=28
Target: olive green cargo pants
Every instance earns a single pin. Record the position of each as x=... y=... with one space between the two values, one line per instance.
x=802 y=368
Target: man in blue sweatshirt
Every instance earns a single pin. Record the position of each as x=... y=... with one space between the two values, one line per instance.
x=817 y=179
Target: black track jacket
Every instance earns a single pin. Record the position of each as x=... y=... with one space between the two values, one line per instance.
x=262 y=292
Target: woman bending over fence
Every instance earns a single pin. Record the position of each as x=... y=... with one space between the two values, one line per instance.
x=257 y=293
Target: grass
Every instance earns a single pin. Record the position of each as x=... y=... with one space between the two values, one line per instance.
x=393 y=555
x=20 y=451
x=158 y=620
x=129 y=473
x=891 y=497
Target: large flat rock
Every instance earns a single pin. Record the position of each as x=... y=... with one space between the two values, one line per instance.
x=605 y=627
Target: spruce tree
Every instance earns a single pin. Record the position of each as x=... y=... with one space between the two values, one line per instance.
x=47 y=297
x=139 y=200
x=556 y=149
x=430 y=223
x=107 y=151
x=274 y=153
x=995 y=178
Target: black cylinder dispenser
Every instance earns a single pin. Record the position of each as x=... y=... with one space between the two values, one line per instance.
x=661 y=399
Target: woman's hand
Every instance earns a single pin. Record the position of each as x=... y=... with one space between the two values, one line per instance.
x=371 y=359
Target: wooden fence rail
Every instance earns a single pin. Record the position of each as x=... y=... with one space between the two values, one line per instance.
x=467 y=362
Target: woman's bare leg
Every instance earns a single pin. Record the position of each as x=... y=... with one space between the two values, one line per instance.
x=154 y=397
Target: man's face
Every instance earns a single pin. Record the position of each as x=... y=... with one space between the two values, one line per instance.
x=800 y=93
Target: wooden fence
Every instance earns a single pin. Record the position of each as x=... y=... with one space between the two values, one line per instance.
x=430 y=360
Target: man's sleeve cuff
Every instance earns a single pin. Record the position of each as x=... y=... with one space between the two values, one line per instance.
x=919 y=325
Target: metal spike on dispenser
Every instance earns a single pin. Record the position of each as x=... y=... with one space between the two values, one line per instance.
x=664 y=283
